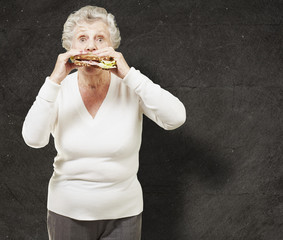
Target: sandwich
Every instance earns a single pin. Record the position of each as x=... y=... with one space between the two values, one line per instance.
x=87 y=60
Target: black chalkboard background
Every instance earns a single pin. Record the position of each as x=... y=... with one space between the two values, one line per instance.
x=219 y=176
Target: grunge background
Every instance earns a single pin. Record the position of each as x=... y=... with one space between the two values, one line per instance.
x=219 y=176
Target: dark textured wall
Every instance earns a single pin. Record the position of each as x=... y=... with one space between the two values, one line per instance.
x=219 y=176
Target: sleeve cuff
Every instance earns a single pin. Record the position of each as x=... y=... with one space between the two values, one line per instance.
x=49 y=90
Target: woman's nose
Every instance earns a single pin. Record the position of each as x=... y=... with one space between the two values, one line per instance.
x=91 y=46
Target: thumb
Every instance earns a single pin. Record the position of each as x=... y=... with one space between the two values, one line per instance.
x=73 y=66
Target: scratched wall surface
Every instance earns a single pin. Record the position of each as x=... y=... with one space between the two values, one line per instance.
x=219 y=176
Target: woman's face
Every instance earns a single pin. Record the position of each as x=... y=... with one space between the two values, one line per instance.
x=91 y=36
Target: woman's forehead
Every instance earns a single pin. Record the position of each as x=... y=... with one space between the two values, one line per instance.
x=98 y=26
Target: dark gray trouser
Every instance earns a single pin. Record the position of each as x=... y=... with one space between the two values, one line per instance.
x=64 y=228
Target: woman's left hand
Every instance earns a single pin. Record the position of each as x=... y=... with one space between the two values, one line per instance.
x=122 y=66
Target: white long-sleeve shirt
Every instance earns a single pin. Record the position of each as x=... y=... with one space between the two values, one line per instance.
x=95 y=170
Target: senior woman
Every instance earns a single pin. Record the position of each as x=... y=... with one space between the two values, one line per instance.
x=95 y=117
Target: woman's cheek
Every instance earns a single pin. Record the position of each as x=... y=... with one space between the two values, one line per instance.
x=79 y=45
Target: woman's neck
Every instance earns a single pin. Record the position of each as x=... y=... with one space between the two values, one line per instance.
x=94 y=79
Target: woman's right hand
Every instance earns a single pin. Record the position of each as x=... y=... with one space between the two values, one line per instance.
x=63 y=67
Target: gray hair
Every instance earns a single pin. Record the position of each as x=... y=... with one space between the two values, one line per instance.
x=87 y=14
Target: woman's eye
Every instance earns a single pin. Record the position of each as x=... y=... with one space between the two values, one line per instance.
x=82 y=39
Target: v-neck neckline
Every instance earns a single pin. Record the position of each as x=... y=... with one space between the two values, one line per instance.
x=85 y=114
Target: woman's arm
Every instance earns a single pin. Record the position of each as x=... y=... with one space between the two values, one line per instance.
x=157 y=104
x=41 y=117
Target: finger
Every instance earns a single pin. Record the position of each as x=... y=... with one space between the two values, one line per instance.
x=105 y=52
x=72 y=66
x=77 y=51
x=113 y=70
x=73 y=52
x=103 y=49
x=109 y=54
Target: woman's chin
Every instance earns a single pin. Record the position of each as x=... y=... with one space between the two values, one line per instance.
x=91 y=69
